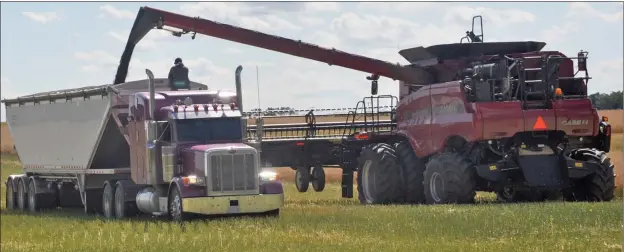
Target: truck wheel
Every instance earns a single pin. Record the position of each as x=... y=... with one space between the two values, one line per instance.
x=302 y=179
x=33 y=203
x=378 y=175
x=10 y=195
x=318 y=178
x=108 y=201
x=123 y=208
x=176 y=210
x=22 y=201
x=449 y=178
x=598 y=186
x=413 y=173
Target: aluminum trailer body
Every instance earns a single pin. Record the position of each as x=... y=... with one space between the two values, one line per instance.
x=114 y=149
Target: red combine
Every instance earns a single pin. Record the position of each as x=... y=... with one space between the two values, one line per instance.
x=505 y=117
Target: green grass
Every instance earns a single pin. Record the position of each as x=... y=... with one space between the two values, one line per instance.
x=323 y=222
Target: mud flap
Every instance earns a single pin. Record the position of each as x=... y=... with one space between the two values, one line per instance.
x=548 y=171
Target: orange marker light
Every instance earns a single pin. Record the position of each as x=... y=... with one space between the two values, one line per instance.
x=540 y=124
x=558 y=92
x=361 y=136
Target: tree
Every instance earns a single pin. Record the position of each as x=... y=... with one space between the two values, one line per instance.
x=614 y=100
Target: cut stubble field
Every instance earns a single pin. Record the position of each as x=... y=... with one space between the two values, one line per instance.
x=323 y=221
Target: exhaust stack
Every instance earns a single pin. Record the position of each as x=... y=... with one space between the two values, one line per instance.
x=239 y=88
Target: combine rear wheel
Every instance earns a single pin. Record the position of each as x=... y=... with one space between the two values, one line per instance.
x=598 y=186
x=318 y=178
x=413 y=173
x=302 y=179
x=511 y=195
x=10 y=195
x=378 y=175
x=449 y=178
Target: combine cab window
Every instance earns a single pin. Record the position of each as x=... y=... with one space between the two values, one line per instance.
x=209 y=129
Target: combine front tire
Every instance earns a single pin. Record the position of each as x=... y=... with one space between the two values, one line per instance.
x=302 y=179
x=449 y=178
x=378 y=175
x=318 y=178
x=598 y=186
x=413 y=173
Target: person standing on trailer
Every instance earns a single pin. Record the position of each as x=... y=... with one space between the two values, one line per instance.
x=178 y=76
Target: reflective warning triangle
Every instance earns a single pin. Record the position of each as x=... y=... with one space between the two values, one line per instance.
x=540 y=124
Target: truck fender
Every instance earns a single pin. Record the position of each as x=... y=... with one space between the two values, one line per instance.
x=13 y=179
x=40 y=186
x=185 y=191
x=417 y=149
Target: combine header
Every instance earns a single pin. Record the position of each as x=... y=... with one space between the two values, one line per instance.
x=503 y=117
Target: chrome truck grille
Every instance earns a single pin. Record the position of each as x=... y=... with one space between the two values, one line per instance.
x=233 y=173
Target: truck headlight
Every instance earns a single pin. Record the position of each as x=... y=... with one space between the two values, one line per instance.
x=267 y=176
x=193 y=180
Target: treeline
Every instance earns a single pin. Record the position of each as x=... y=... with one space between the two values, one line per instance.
x=601 y=101
x=277 y=111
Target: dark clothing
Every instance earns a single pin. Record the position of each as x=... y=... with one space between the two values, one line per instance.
x=178 y=77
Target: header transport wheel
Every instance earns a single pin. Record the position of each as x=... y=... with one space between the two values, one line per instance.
x=449 y=178
x=302 y=179
x=378 y=175
x=318 y=178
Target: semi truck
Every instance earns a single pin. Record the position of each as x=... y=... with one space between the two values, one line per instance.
x=143 y=146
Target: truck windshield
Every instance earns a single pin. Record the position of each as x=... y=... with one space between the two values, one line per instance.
x=209 y=129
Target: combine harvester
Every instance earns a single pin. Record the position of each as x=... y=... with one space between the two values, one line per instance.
x=503 y=117
x=120 y=151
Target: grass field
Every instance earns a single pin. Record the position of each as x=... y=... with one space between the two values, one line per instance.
x=323 y=221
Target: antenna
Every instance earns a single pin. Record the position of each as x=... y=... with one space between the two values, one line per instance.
x=258 y=88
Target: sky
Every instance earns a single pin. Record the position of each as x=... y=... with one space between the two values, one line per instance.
x=50 y=46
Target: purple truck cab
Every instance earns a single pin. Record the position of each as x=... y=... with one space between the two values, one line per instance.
x=188 y=148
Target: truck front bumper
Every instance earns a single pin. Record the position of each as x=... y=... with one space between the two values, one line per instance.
x=233 y=204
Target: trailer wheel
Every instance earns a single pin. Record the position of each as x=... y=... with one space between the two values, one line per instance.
x=598 y=186
x=318 y=178
x=33 y=203
x=10 y=195
x=413 y=173
x=449 y=178
x=176 y=210
x=302 y=179
x=107 y=201
x=123 y=208
x=22 y=201
x=378 y=175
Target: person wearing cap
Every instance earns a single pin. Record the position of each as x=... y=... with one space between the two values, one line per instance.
x=179 y=76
